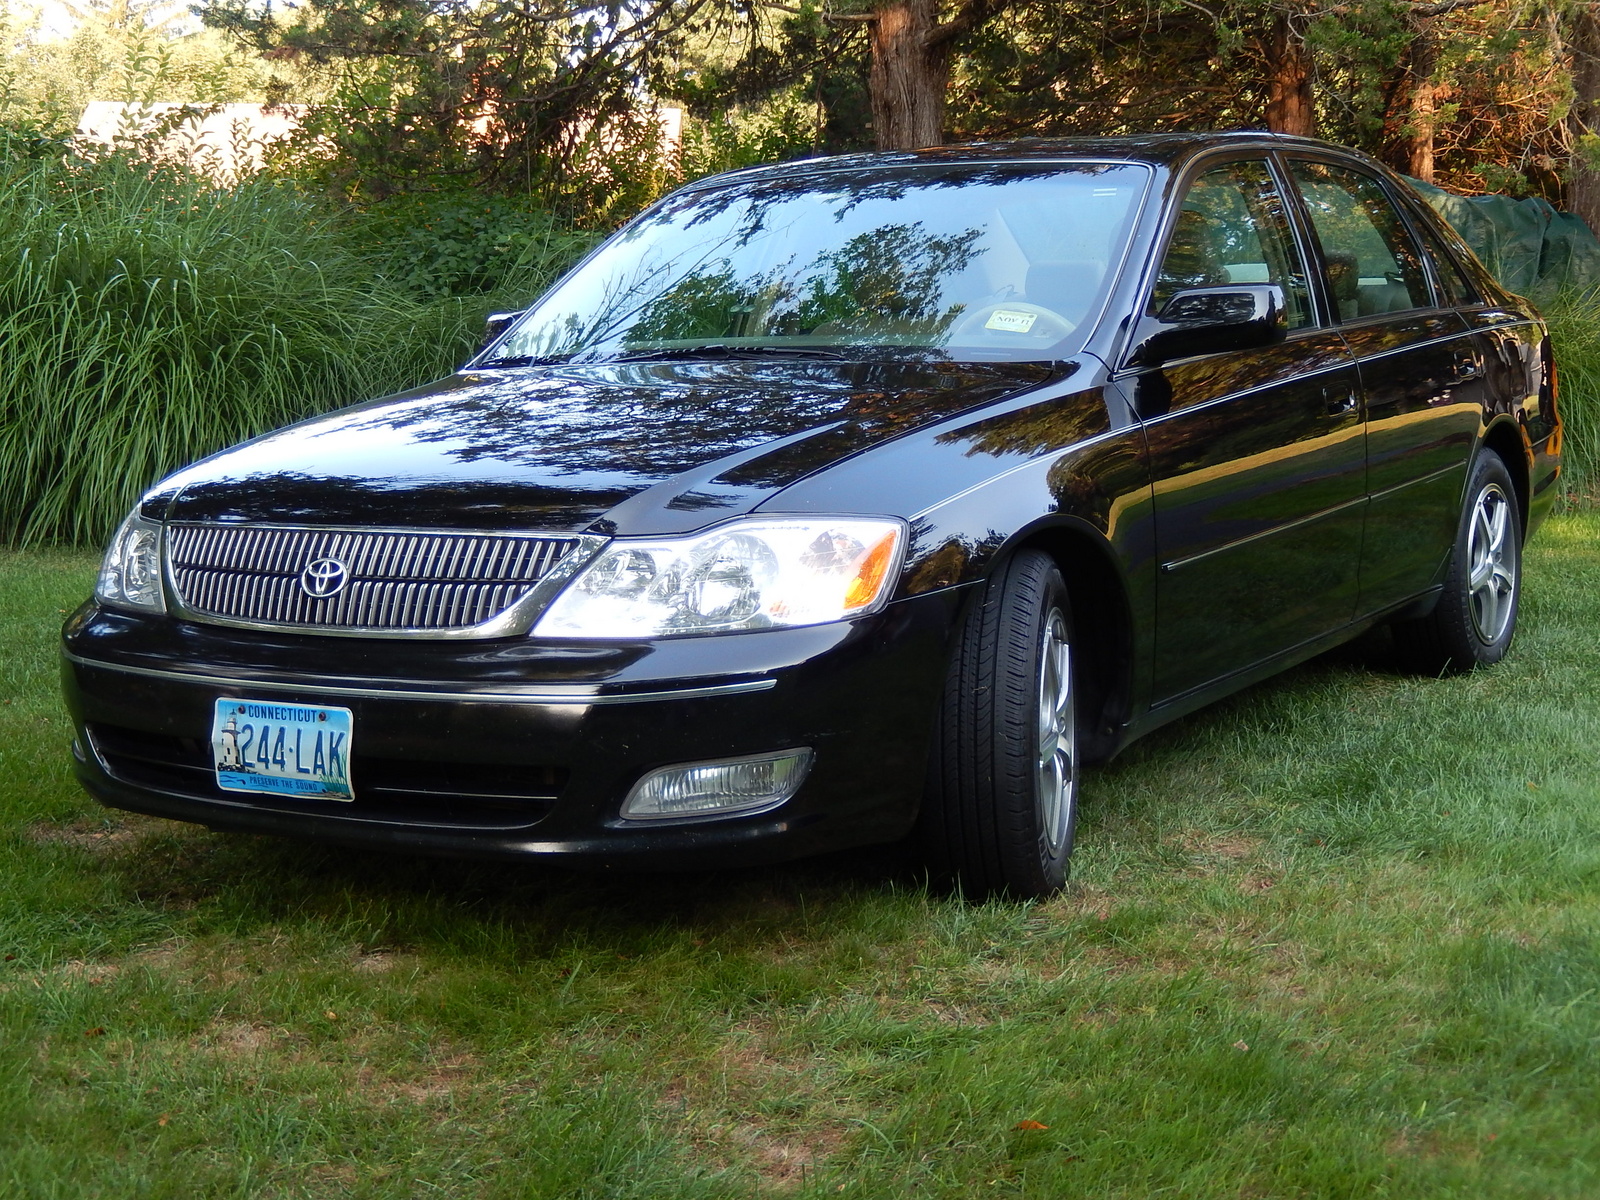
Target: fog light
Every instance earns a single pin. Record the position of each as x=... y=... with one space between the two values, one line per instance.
x=729 y=785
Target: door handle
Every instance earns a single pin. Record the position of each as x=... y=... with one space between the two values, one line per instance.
x=1337 y=401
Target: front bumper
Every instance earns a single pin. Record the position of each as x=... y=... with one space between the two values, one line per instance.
x=517 y=749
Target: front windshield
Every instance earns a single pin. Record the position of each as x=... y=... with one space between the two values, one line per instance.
x=997 y=262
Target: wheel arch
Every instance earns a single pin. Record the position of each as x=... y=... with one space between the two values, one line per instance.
x=1102 y=617
x=1505 y=438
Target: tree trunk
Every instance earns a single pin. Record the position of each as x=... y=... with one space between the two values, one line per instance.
x=908 y=78
x=1423 y=57
x=1583 y=124
x=1289 y=98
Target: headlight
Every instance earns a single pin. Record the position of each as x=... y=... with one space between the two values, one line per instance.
x=130 y=577
x=752 y=574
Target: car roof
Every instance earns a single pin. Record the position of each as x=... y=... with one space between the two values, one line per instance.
x=1158 y=149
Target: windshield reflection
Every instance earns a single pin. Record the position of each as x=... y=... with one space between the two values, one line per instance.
x=1005 y=262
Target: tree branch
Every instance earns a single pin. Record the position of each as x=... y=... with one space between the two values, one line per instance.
x=1441 y=7
x=969 y=16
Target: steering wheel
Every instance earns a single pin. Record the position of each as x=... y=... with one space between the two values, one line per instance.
x=1011 y=322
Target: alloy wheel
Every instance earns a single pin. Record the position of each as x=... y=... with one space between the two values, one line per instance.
x=1492 y=584
x=1056 y=776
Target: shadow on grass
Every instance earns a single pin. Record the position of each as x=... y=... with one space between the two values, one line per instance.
x=247 y=882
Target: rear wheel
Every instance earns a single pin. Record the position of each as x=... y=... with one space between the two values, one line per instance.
x=1476 y=616
x=1002 y=800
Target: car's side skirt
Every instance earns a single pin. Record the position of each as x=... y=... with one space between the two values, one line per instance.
x=1187 y=702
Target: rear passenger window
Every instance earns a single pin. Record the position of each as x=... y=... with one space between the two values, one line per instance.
x=1233 y=229
x=1457 y=288
x=1374 y=266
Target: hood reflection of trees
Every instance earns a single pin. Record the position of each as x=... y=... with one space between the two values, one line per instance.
x=658 y=419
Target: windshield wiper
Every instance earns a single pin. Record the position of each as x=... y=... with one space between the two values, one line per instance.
x=527 y=360
x=720 y=350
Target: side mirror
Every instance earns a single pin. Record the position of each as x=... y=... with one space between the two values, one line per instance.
x=494 y=325
x=1210 y=320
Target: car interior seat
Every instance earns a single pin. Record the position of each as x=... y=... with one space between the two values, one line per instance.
x=1384 y=295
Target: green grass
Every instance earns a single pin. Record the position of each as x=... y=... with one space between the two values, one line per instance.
x=1339 y=936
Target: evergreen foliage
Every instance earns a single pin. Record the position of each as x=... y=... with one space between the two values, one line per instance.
x=510 y=96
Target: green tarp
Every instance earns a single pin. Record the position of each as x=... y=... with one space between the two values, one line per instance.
x=1529 y=245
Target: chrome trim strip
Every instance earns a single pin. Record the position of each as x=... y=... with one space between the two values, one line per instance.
x=1453 y=468
x=583 y=694
x=1416 y=345
x=1344 y=364
x=1263 y=533
x=798 y=168
x=1126 y=372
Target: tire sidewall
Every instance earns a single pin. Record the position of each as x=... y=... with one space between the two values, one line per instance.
x=1052 y=865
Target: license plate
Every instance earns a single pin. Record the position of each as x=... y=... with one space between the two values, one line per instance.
x=287 y=749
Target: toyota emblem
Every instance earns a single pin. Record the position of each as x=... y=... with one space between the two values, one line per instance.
x=324 y=577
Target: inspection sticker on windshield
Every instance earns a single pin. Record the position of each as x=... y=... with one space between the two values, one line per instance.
x=290 y=749
x=1010 y=320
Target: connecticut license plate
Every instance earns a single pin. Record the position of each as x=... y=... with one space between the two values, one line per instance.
x=290 y=749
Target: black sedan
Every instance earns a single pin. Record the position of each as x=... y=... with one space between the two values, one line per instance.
x=838 y=502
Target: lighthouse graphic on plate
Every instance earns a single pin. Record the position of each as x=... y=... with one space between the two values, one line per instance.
x=228 y=736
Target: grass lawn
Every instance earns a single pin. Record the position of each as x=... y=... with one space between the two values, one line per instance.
x=1339 y=936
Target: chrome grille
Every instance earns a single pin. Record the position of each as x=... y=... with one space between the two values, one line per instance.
x=398 y=580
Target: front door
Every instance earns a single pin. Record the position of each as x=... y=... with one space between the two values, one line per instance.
x=1258 y=457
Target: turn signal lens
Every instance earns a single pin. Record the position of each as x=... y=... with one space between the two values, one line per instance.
x=871 y=573
x=130 y=576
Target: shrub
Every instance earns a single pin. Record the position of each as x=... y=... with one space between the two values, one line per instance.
x=1575 y=334
x=465 y=242
x=148 y=319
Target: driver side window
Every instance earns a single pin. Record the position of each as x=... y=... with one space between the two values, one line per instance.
x=1233 y=229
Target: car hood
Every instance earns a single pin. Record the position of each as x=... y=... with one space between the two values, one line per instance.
x=618 y=448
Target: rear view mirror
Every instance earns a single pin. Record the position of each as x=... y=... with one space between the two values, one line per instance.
x=494 y=325
x=1210 y=320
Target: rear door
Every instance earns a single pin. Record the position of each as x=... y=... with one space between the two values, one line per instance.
x=1421 y=376
x=1257 y=456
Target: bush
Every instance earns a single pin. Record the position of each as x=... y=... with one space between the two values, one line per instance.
x=148 y=319
x=1575 y=334
x=456 y=243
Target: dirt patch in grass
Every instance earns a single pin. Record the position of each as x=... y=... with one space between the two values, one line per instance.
x=1216 y=849
x=368 y=1060
x=99 y=835
x=238 y=1039
x=784 y=1162
x=441 y=1080
x=950 y=1013
x=384 y=962
x=1080 y=900
x=65 y=974
x=718 y=1098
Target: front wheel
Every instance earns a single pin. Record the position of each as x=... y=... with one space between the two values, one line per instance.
x=1002 y=800
x=1476 y=616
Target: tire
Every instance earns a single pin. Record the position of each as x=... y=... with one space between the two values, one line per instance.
x=1002 y=800
x=1476 y=616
